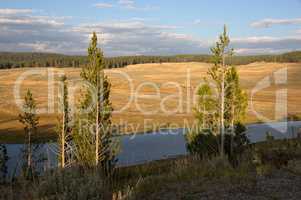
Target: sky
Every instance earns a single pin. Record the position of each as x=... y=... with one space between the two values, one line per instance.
x=149 y=27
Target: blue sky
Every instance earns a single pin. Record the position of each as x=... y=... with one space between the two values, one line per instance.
x=153 y=27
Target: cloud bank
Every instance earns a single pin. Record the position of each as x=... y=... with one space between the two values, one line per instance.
x=24 y=30
x=125 y=4
x=103 y=5
x=266 y=23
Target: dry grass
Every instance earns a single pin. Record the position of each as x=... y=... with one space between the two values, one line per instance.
x=181 y=178
x=264 y=101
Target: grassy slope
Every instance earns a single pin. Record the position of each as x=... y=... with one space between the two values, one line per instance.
x=264 y=103
x=186 y=178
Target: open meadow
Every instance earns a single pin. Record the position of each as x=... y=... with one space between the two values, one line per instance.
x=142 y=94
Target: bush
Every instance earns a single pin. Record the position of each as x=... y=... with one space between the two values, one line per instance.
x=277 y=153
x=69 y=184
x=206 y=144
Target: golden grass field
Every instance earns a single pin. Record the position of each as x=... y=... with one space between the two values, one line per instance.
x=156 y=75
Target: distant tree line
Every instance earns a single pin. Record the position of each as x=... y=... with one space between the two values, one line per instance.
x=18 y=60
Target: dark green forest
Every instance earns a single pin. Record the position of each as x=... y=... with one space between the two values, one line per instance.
x=18 y=60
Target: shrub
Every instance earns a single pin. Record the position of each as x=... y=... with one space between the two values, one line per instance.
x=277 y=153
x=207 y=145
x=204 y=144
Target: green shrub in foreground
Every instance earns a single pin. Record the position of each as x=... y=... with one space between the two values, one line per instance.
x=207 y=145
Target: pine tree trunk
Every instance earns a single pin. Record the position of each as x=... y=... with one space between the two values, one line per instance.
x=232 y=126
x=204 y=122
x=232 y=119
x=97 y=122
x=63 y=142
x=223 y=108
x=29 y=152
x=97 y=134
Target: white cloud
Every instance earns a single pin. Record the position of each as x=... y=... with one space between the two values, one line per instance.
x=38 y=46
x=126 y=3
x=264 y=39
x=266 y=44
x=30 y=32
x=131 y=5
x=8 y=11
x=129 y=37
x=258 y=51
x=103 y=5
x=19 y=32
x=266 y=23
x=30 y=20
x=138 y=38
x=254 y=40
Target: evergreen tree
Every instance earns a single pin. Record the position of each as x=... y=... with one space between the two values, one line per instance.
x=30 y=120
x=223 y=124
x=236 y=100
x=64 y=129
x=205 y=109
x=96 y=112
x=217 y=73
x=235 y=110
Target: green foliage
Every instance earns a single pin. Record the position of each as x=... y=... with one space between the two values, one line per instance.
x=19 y=60
x=236 y=100
x=217 y=74
x=30 y=120
x=64 y=126
x=184 y=173
x=295 y=166
x=236 y=144
x=95 y=114
x=84 y=150
x=276 y=153
x=155 y=180
x=205 y=110
x=220 y=115
x=72 y=184
x=207 y=145
x=294 y=56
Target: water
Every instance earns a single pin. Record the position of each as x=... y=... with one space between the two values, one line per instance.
x=280 y=130
x=141 y=149
x=144 y=148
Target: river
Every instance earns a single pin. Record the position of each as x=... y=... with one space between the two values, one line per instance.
x=139 y=149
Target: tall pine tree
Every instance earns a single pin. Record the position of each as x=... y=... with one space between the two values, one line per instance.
x=218 y=72
x=30 y=120
x=236 y=100
x=227 y=107
x=96 y=111
x=64 y=129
